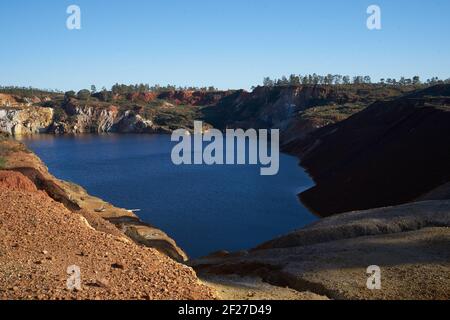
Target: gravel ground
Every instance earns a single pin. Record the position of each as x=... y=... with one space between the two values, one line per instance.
x=40 y=239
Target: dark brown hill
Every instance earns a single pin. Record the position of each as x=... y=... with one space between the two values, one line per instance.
x=390 y=153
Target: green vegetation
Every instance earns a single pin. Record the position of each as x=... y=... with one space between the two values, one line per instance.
x=143 y=88
x=84 y=94
x=28 y=91
x=332 y=113
x=337 y=79
x=176 y=117
x=3 y=136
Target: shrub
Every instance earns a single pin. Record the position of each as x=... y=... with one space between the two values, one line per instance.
x=70 y=94
x=84 y=94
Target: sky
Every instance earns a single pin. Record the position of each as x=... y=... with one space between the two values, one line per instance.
x=229 y=44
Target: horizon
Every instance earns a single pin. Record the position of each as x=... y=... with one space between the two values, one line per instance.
x=423 y=83
x=194 y=44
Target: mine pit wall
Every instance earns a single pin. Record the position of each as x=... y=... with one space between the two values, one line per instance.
x=25 y=121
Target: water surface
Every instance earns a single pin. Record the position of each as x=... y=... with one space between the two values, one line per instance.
x=204 y=208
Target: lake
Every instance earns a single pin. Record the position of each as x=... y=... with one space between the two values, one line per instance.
x=204 y=208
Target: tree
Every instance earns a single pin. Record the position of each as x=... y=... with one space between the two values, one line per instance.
x=305 y=80
x=93 y=89
x=358 y=80
x=70 y=94
x=84 y=94
x=416 y=80
x=294 y=80
x=267 y=82
x=346 y=80
x=337 y=79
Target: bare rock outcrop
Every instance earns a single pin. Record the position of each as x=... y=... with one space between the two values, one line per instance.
x=24 y=121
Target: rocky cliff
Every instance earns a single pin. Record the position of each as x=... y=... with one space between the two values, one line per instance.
x=284 y=107
x=28 y=120
x=104 y=112
x=75 y=117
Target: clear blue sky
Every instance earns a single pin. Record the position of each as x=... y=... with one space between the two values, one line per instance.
x=226 y=43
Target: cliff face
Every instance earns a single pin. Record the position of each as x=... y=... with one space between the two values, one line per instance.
x=23 y=120
x=28 y=120
x=390 y=153
x=295 y=110
x=102 y=112
x=91 y=119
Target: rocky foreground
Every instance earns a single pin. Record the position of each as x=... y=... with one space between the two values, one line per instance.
x=40 y=239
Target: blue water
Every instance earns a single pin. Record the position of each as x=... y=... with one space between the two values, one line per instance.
x=204 y=208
